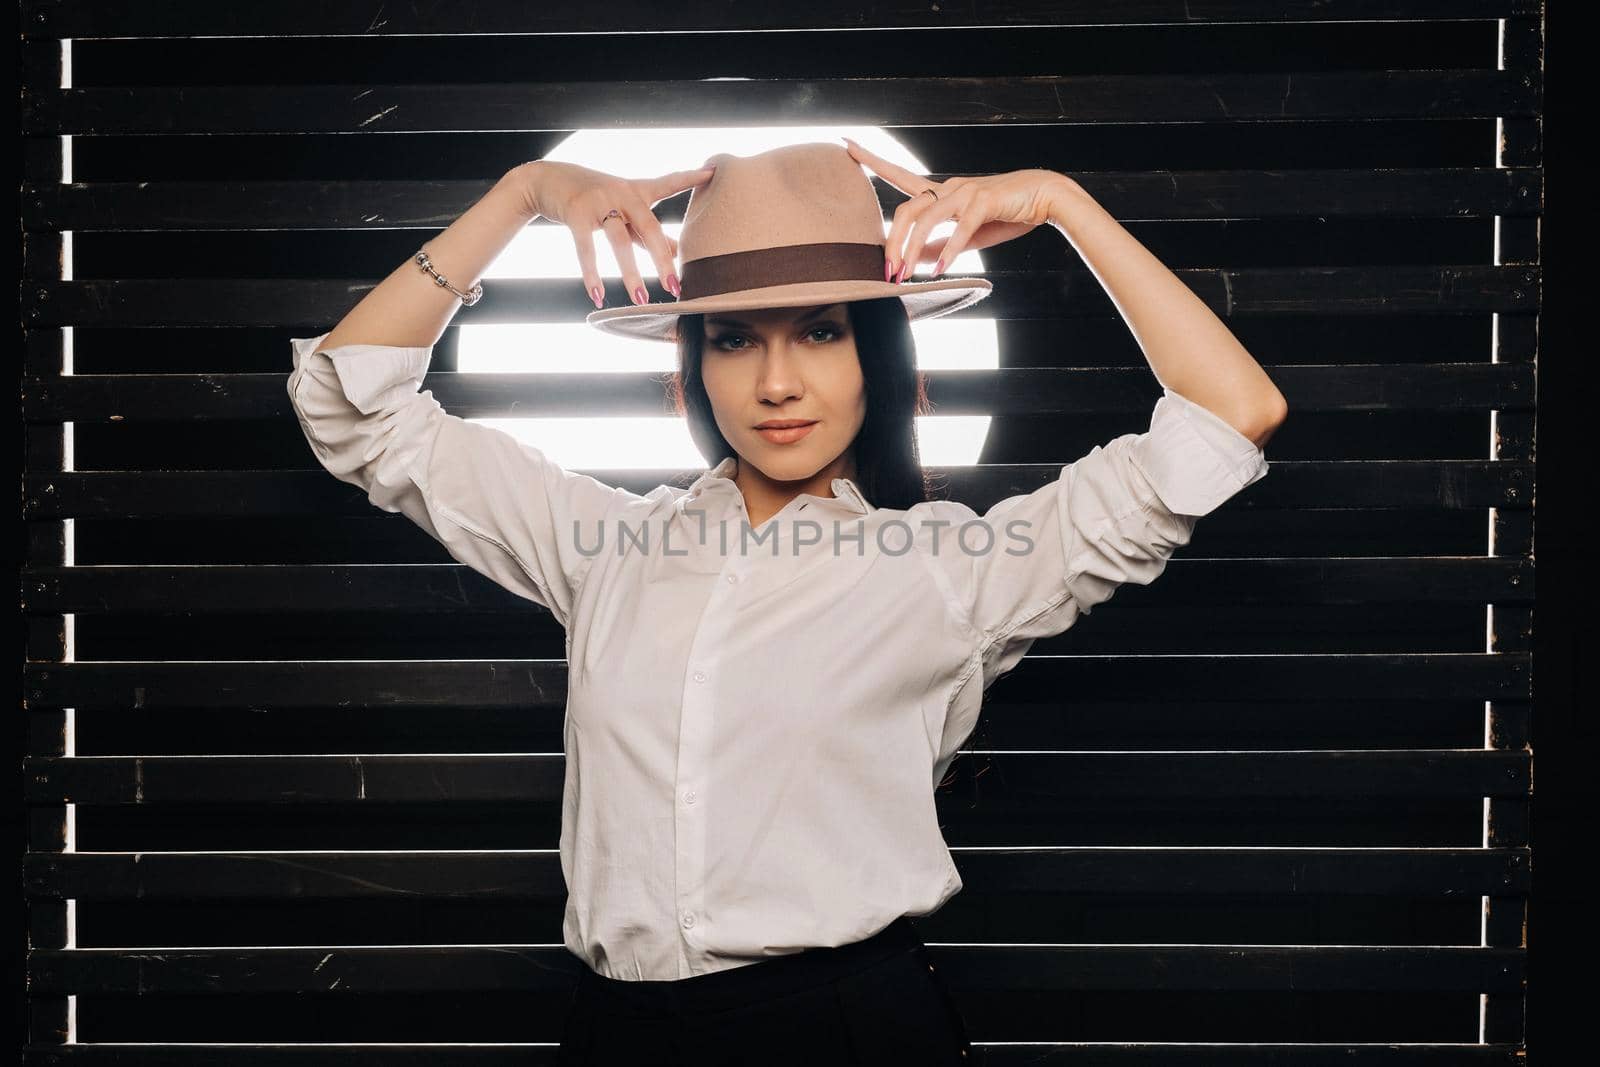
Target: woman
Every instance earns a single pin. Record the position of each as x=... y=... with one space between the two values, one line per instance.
x=770 y=671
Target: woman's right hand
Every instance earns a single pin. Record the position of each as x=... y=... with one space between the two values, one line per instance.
x=580 y=198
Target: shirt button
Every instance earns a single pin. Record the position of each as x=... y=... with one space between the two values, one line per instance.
x=699 y=676
x=688 y=919
x=688 y=798
x=732 y=578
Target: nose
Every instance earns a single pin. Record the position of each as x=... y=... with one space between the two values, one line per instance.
x=780 y=378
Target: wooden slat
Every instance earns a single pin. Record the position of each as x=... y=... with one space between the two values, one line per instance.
x=1024 y=294
x=1438 y=387
x=1008 y=1054
x=1366 y=484
x=450 y=587
x=536 y=875
x=930 y=101
x=1016 y=968
x=528 y=683
x=1033 y=781
x=335 y=18
x=1407 y=193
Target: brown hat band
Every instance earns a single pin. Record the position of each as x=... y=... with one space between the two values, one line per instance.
x=822 y=262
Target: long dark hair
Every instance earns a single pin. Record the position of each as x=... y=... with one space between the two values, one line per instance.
x=888 y=461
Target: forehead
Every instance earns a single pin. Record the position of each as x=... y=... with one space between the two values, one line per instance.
x=772 y=316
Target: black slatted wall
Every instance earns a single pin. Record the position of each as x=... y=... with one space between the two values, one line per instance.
x=294 y=777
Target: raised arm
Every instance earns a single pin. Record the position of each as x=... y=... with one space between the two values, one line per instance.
x=497 y=504
x=1190 y=350
x=1117 y=514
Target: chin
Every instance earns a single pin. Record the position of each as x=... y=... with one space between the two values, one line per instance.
x=788 y=464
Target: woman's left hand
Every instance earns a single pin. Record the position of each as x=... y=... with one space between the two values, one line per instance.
x=988 y=210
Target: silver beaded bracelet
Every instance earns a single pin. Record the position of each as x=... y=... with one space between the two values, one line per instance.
x=472 y=296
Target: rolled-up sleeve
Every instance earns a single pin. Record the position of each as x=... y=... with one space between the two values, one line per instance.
x=1114 y=516
x=496 y=504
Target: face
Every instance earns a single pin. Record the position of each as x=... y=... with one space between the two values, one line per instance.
x=786 y=364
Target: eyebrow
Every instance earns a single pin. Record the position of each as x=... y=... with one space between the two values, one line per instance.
x=815 y=312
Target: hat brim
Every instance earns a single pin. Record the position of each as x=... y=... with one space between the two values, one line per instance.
x=923 y=300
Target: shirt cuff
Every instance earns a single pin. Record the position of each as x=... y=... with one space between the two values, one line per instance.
x=372 y=377
x=1193 y=458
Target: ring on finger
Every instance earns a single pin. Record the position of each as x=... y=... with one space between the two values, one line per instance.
x=930 y=189
x=612 y=214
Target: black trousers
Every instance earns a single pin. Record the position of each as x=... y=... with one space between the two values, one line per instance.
x=877 y=1001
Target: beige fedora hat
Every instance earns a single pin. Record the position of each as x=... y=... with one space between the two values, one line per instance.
x=792 y=227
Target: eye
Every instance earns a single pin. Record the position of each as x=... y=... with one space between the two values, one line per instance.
x=722 y=341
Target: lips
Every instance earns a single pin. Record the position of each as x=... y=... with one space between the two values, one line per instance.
x=785 y=431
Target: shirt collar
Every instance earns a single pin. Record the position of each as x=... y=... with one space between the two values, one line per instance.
x=845 y=491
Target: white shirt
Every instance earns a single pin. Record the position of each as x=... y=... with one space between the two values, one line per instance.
x=753 y=733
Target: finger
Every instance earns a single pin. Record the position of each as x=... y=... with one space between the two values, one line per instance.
x=946 y=207
x=646 y=229
x=584 y=240
x=616 y=231
x=895 y=175
x=945 y=251
x=658 y=189
x=905 y=217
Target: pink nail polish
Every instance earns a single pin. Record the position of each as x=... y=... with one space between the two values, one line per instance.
x=888 y=271
x=938 y=268
x=672 y=285
x=640 y=296
x=902 y=275
x=598 y=295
